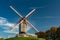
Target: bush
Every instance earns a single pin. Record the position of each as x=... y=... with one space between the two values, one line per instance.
x=1 y=39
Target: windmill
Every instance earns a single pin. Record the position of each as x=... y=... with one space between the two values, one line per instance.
x=23 y=22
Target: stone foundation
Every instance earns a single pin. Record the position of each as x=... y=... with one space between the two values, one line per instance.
x=27 y=35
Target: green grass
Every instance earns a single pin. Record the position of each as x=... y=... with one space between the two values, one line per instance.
x=22 y=38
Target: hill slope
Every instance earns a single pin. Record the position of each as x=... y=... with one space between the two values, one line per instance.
x=21 y=38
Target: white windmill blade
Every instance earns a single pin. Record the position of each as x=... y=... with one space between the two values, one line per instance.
x=32 y=26
x=16 y=11
x=30 y=13
x=14 y=27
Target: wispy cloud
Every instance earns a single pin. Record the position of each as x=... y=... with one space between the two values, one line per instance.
x=50 y=17
x=28 y=27
x=36 y=7
x=6 y=23
x=15 y=32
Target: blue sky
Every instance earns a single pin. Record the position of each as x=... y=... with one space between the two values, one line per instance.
x=47 y=14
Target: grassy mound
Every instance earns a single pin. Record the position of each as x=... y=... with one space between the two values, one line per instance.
x=21 y=38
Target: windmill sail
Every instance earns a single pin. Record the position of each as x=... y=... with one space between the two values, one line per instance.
x=30 y=13
x=16 y=11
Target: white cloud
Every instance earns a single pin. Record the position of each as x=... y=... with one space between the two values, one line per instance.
x=15 y=32
x=50 y=17
x=3 y=20
x=36 y=7
x=6 y=23
x=28 y=27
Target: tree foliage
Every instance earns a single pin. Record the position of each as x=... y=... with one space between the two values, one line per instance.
x=52 y=34
x=1 y=39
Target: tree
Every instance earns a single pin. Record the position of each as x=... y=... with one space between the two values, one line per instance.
x=58 y=33
x=51 y=34
x=1 y=39
x=40 y=34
